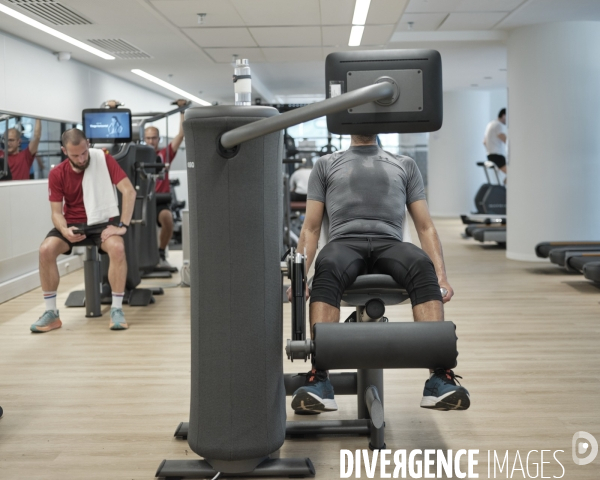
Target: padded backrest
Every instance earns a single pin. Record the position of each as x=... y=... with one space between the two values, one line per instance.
x=237 y=407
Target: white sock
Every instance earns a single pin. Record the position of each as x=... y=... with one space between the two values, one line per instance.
x=50 y=301
x=117 y=300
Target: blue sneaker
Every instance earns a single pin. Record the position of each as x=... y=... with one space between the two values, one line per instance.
x=117 y=319
x=442 y=393
x=48 y=321
x=316 y=395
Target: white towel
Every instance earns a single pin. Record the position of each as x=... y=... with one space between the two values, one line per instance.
x=99 y=193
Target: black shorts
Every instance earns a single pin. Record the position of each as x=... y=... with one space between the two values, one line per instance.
x=93 y=235
x=160 y=208
x=499 y=160
x=342 y=260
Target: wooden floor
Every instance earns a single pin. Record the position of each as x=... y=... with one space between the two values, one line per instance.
x=84 y=402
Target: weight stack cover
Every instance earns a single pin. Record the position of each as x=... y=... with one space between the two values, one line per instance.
x=237 y=407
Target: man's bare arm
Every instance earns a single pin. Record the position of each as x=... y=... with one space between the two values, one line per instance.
x=430 y=242
x=502 y=137
x=311 y=230
x=58 y=219
x=178 y=139
x=34 y=142
x=129 y=194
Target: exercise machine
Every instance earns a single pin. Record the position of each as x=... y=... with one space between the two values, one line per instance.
x=488 y=223
x=237 y=410
x=543 y=249
x=149 y=256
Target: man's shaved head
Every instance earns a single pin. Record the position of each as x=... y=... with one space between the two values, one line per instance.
x=13 y=140
x=152 y=137
x=74 y=136
x=13 y=132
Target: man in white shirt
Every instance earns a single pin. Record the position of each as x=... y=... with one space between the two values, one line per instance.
x=495 y=140
x=299 y=182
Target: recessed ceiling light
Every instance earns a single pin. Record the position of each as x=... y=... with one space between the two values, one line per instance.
x=474 y=84
x=502 y=69
x=170 y=87
x=361 y=10
x=356 y=35
x=487 y=78
x=55 y=33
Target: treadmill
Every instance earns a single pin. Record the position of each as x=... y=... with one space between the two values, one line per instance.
x=489 y=222
x=543 y=249
x=558 y=255
x=576 y=261
x=591 y=271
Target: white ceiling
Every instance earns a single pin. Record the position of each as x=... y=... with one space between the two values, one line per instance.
x=287 y=41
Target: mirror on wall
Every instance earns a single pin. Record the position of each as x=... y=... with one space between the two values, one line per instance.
x=29 y=146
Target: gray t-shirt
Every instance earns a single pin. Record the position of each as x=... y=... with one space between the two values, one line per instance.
x=365 y=190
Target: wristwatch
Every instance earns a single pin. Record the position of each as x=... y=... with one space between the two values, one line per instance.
x=121 y=224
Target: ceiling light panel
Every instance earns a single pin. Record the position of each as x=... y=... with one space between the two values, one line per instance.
x=383 y=12
x=224 y=55
x=220 y=37
x=287 y=36
x=377 y=34
x=356 y=34
x=472 y=21
x=361 y=10
x=278 y=12
x=183 y=13
x=169 y=86
x=337 y=12
x=55 y=33
x=440 y=6
x=422 y=22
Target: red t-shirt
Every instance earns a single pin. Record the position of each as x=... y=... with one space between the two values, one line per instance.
x=162 y=186
x=20 y=164
x=65 y=183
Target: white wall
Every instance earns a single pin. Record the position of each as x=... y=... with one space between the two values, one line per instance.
x=25 y=220
x=554 y=141
x=454 y=151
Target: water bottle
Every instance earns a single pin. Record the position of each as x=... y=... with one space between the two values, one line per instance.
x=242 y=82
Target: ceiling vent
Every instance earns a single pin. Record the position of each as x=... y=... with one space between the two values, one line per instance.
x=51 y=11
x=119 y=48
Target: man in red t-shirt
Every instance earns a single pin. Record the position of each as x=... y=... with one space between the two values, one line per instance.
x=166 y=156
x=20 y=161
x=70 y=221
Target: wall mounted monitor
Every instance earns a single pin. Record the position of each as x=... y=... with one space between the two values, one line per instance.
x=102 y=125
x=417 y=102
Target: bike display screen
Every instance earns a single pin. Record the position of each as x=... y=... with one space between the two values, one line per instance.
x=107 y=126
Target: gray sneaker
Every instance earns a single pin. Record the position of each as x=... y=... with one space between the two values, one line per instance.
x=48 y=321
x=164 y=264
x=117 y=319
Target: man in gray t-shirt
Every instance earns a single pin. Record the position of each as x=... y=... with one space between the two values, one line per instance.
x=364 y=191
